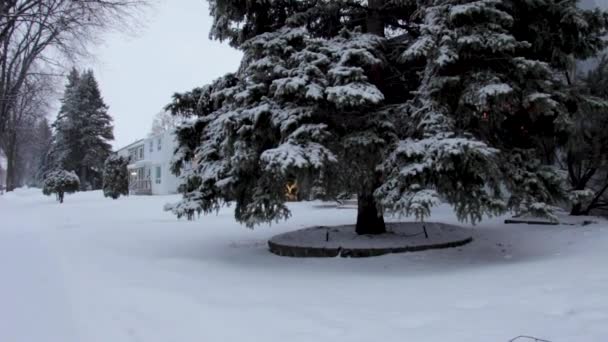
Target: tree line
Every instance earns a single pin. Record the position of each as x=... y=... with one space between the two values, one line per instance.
x=37 y=38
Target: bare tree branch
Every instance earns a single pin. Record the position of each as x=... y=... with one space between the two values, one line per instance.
x=43 y=33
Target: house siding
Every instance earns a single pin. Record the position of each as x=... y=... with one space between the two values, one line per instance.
x=157 y=153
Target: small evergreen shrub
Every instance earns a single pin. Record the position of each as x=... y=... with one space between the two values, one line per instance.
x=115 y=177
x=59 y=183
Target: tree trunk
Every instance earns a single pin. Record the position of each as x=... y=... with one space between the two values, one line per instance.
x=10 y=173
x=374 y=18
x=369 y=221
x=577 y=210
x=594 y=202
x=60 y=196
x=83 y=178
x=11 y=162
x=581 y=184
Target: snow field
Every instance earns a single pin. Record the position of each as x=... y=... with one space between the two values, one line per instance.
x=93 y=269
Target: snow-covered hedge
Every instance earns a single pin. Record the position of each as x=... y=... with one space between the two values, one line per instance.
x=115 y=177
x=59 y=183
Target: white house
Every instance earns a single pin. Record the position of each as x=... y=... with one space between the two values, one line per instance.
x=149 y=169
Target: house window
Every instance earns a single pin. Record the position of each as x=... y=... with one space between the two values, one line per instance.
x=133 y=154
x=141 y=153
x=151 y=146
x=157 y=181
x=160 y=143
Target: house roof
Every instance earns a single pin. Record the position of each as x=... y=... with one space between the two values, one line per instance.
x=130 y=145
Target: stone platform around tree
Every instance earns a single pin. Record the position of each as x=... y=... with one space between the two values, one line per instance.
x=343 y=241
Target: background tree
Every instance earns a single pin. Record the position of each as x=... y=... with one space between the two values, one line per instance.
x=2 y=171
x=39 y=35
x=585 y=157
x=40 y=148
x=164 y=122
x=492 y=91
x=115 y=177
x=97 y=130
x=21 y=136
x=32 y=147
x=82 y=130
x=64 y=136
x=37 y=38
x=60 y=182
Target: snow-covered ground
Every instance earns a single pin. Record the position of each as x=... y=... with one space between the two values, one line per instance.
x=94 y=269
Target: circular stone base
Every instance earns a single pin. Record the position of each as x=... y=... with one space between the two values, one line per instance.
x=343 y=241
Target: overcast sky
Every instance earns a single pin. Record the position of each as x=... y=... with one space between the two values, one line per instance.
x=138 y=73
x=593 y=3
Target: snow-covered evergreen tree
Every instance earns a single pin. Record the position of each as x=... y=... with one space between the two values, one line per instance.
x=301 y=108
x=97 y=130
x=426 y=102
x=82 y=130
x=115 y=176
x=60 y=182
x=60 y=155
x=491 y=90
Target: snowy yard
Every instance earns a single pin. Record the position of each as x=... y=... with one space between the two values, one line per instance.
x=94 y=269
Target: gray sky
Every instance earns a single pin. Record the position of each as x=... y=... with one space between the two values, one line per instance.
x=138 y=73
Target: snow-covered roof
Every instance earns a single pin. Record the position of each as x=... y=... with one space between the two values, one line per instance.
x=137 y=142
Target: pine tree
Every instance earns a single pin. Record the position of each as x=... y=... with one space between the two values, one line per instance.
x=96 y=130
x=65 y=135
x=403 y=104
x=82 y=130
x=302 y=108
x=115 y=177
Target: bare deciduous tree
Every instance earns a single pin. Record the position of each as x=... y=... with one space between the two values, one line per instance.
x=586 y=154
x=32 y=104
x=45 y=32
x=164 y=122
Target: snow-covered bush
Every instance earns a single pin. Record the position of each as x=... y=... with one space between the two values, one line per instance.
x=115 y=176
x=60 y=182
